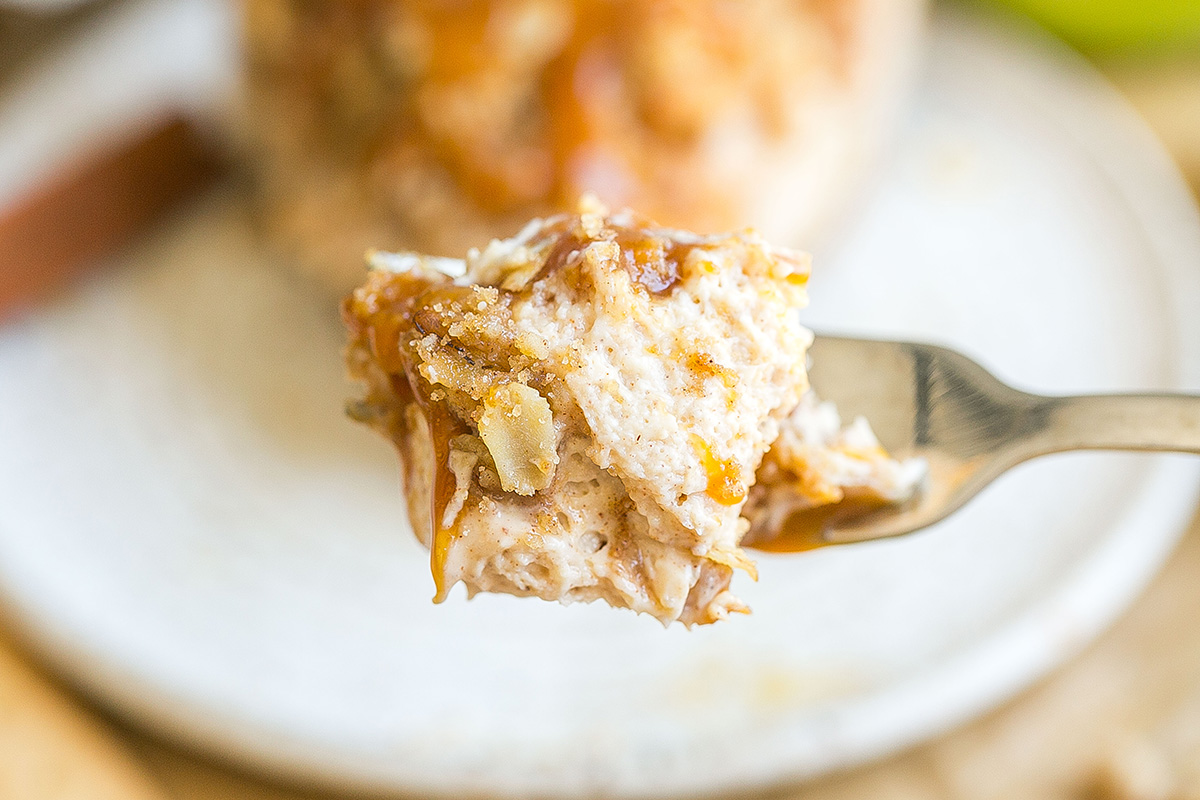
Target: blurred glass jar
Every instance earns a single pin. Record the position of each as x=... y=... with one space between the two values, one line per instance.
x=437 y=124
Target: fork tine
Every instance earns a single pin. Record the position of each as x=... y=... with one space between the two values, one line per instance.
x=935 y=403
x=923 y=401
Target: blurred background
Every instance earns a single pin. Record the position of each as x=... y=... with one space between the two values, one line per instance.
x=332 y=121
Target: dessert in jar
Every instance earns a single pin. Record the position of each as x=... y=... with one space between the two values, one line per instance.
x=434 y=125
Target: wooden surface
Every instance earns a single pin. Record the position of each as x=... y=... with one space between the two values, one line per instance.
x=1168 y=95
x=50 y=747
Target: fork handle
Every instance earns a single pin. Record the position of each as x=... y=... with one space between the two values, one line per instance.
x=1155 y=422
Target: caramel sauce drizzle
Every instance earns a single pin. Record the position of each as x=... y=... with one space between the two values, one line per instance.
x=560 y=254
x=725 y=484
x=443 y=426
x=805 y=529
x=387 y=318
x=653 y=262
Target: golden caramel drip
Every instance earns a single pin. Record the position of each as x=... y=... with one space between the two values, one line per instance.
x=443 y=426
x=560 y=254
x=805 y=529
x=703 y=366
x=386 y=317
x=725 y=484
x=651 y=261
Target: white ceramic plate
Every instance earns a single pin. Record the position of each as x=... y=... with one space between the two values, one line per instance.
x=191 y=531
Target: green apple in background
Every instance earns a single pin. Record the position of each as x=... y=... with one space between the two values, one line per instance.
x=1110 y=25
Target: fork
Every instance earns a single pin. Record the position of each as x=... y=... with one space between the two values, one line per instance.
x=934 y=403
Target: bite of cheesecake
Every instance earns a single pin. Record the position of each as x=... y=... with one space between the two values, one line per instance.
x=581 y=410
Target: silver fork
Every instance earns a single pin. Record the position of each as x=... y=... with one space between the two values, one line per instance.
x=937 y=404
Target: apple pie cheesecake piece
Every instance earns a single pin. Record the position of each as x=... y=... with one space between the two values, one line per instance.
x=580 y=410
